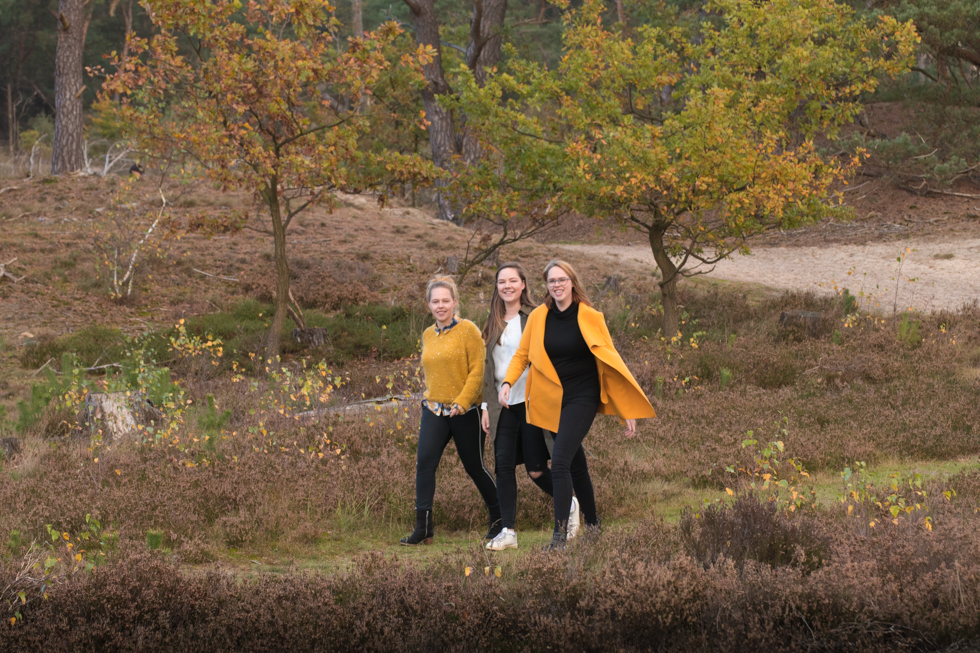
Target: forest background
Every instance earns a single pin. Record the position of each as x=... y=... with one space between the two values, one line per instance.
x=811 y=480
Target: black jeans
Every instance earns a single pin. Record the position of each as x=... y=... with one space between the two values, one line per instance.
x=515 y=434
x=569 y=466
x=434 y=434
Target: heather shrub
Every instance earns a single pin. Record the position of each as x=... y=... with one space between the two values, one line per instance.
x=896 y=590
x=751 y=528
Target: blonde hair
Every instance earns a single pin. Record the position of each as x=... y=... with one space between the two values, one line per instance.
x=448 y=284
x=578 y=290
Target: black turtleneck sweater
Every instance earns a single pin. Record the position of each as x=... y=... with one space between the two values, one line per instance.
x=571 y=357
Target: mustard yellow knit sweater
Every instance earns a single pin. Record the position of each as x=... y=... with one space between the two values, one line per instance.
x=453 y=363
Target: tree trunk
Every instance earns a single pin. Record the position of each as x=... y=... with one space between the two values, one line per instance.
x=271 y=196
x=445 y=140
x=442 y=131
x=482 y=55
x=357 y=19
x=68 y=87
x=12 y=136
x=668 y=282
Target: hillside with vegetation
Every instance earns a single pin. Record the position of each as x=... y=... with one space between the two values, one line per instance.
x=209 y=364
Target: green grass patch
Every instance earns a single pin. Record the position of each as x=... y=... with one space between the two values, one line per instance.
x=93 y=345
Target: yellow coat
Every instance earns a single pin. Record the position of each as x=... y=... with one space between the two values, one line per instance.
x=621 y=394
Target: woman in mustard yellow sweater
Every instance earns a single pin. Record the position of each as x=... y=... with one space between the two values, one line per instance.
x=453 y=360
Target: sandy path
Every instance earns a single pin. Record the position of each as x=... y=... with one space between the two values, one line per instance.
x=936 y=274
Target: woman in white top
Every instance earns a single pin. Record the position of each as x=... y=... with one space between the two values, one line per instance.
x=514 y=440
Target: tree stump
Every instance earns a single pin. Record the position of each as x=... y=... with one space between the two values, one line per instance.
x=808 y=321
x=117 y=415
x=9 y=447
x=315 y=337
x=452 y=264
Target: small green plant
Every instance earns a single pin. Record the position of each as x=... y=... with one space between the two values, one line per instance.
x=861 y=496
x=836 y=336
x=88 y=547
x=55 y=386
x=212 y=425
x=908 y=331
x=850 y=302
x=725 y=377
x=783 y=478
x=14 y=543
x=154 y=540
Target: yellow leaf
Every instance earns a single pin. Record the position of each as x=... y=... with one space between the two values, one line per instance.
x=118 y=473
x=486 y=571
x=13 y=621
x=850 y=510
x=78 y=557
x=498 y=572
x=729 y=490
x=468 y=571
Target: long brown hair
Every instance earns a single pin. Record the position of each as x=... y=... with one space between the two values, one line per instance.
x=495 y=325
x=578 y=290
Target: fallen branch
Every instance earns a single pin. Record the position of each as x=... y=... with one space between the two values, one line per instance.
x=363 y=403
x=216 y=276
x=102 y=367
x=4 y=273
x=4 y=190
x=34 y=373
x=949 y=192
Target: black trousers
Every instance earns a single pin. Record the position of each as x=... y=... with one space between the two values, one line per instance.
x=434 y=434
x=569 y=467
x=515 y=435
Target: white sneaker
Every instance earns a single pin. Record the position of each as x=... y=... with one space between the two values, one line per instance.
x=573 y=519
x=507 y=539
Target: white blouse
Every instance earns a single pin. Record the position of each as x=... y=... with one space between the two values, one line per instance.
x=503 y=352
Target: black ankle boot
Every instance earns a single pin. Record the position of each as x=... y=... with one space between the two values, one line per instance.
x=593 y=531
x=496 y=522
x=557 y=542
x=423 y=532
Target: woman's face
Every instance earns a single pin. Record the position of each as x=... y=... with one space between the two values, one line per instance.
x=509 y=285
x=559 y=285
x=442 y=305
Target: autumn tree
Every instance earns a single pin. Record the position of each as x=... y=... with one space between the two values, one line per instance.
x=264 y=100
x=697 y=141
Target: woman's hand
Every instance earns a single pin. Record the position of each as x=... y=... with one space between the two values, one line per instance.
x=504 y=395
x=485 y=422
x=457 y=410
x=630 y=427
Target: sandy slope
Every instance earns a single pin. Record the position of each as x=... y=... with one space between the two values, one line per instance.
x=935 y=275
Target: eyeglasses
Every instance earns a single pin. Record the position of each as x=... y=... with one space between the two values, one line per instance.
x=560 y=281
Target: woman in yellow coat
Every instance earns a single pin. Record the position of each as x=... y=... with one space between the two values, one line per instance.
x=575 y=373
